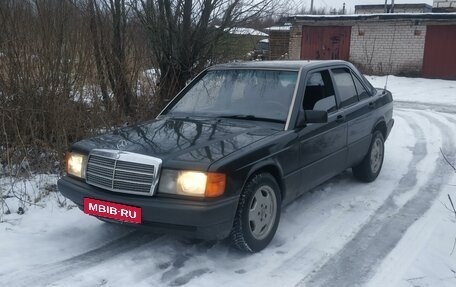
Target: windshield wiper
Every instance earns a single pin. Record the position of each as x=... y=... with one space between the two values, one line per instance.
x=252 y=118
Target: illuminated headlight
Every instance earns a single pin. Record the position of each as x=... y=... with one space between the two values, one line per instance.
x=192 y=183
x=75 y=164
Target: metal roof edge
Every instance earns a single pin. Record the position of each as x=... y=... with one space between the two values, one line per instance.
x=382 y=16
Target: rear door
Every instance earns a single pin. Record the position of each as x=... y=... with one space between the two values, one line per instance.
x=323 y=147
x=358 y=106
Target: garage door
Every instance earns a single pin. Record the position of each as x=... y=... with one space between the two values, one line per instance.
x=325 y=42
x=440 y=52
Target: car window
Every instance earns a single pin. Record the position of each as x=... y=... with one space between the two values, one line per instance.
x=362 y=92
x=319 y=94
x=345 y=86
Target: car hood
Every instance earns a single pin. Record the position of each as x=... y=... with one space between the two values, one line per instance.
x=197 y=142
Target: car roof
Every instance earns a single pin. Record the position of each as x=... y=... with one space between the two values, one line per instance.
x=282 y=64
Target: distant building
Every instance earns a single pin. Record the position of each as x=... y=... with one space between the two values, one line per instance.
x=397 y=8
x=279 y=37
x=238 y=43
x=412 y=44
x=444 y=6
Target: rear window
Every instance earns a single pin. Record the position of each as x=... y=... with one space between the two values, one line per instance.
x=345 y=86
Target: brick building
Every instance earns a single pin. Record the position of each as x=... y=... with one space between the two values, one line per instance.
x=279 y=40
x=421 y=44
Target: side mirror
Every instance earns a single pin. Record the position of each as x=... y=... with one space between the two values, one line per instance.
x=310 y=117
x=316 y=117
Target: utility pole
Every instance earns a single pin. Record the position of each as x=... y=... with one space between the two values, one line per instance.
x=311 y=6
x=391 y=8
x=343 y=9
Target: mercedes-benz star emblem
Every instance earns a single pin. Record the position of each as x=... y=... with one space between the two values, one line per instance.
x=121 y=144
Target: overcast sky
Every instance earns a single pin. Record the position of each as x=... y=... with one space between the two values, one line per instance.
x=350 y=4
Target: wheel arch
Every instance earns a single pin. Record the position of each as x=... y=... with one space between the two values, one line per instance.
x=269 y=166
x=380 y=125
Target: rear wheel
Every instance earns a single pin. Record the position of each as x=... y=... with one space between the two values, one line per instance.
x=370 y=167
x=258 y=214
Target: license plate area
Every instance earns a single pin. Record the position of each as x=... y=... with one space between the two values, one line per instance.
x=111 y=210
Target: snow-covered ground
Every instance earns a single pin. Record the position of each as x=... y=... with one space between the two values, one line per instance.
x=396 y=231
x=419 y=90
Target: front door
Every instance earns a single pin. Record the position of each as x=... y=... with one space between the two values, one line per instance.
x=323 y=147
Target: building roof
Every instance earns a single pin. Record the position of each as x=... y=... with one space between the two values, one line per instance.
x=377 y=16
x=396 y=6
x=278 y=28
x=243 y=31
x=247 y=31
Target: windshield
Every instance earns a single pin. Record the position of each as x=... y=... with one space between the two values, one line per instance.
x=256 y=93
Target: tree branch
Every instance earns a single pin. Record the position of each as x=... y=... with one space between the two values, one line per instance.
x=446 y=159
x=452 y=205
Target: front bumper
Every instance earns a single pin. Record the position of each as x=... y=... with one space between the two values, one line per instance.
x=201 y=219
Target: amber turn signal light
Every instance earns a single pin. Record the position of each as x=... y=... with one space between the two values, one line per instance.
x=215 y=184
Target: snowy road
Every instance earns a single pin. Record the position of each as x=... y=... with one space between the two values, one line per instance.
x=343 y=233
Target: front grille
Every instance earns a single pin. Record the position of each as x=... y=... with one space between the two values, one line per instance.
x=133 y=166
x=121 y=171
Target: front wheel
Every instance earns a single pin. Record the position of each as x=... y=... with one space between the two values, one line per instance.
x=371 y=165
x=258 y=214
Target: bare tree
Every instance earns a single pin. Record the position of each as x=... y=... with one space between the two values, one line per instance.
x=45 y=69
x=110 y=40
x=183 y=34
x=71 y=68
x=97 y=40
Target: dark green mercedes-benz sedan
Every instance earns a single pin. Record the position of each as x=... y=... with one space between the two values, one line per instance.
x=237 y=144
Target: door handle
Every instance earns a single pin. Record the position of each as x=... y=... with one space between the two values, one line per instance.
x=371 y=105
x=340 y=119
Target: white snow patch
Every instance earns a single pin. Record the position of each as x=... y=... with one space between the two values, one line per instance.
x=424 y=255
x=278 y=28
x=247 y=31
x=430 y=91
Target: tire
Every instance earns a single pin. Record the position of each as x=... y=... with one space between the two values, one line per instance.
x=257 y=215
x=370 y=167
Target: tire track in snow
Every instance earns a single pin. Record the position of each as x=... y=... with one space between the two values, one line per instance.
x=44 y=275
x=406 y=183
x=357 y=261
x=451 y=119
x=171 y=266
x=172 y=276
